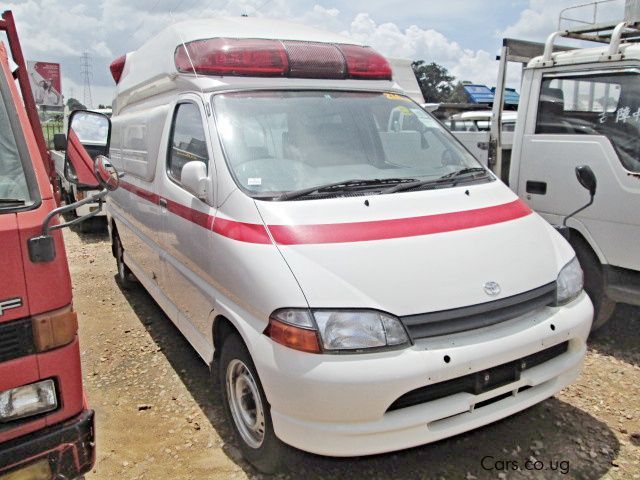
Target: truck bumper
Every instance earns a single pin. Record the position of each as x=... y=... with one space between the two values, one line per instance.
x=65 y=450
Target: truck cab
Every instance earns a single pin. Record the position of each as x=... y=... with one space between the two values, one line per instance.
x=46 y=426
x=582 y=108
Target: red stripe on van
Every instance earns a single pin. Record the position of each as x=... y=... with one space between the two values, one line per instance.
x=141 y=192
x=243 y=232
x=342 y=232
x=398 y=228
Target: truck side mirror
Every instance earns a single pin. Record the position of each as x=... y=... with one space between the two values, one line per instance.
x=194 y=178
x=587 y=178
x=94 y=130
x=107 y=175
x=88 y=136
x=60 y=142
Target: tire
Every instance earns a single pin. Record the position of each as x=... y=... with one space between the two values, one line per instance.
x=258 y=442
x=124 y=274
x=593 y=282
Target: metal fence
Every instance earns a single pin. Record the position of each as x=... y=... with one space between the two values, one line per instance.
x=49 y=129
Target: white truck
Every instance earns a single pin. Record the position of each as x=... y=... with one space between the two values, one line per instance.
x=581 y=109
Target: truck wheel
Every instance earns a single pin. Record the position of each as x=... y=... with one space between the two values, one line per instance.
x=124 y=274
x=247 y=409
x=594 y=283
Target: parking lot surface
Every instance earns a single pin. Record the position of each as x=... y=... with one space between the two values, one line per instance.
x=159 y=416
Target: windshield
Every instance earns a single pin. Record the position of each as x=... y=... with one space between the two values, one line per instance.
x=283 y=141
x=13 y=183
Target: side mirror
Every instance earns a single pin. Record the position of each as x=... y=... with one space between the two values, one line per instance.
x=60 y=142
x=194 y=178
x=88 y=136
x=587 y=178
x=107 y=175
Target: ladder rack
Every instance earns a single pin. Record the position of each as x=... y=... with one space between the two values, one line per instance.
x=586 y=23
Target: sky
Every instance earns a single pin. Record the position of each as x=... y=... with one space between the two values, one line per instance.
x=462 y=35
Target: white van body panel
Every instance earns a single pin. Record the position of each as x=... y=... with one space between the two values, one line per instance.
x=229 y=255
x=357 y=273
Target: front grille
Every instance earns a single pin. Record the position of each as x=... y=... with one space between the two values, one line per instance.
x=479 y=382
x=445 y=322
x=16 y=339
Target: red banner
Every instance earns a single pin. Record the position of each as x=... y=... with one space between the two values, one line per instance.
x=46 y=83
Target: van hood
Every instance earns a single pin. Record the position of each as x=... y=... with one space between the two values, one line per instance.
x=415 y=252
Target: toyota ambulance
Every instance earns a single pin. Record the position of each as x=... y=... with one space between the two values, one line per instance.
x=331 y=263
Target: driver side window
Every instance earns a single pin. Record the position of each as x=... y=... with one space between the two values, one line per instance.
x=187 y=141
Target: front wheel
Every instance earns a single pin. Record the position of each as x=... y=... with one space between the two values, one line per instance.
x=594 y=283
x=124 y=274
x=247 y=409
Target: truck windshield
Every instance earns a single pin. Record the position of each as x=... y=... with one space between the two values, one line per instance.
x=283 y=141
x=14 y=190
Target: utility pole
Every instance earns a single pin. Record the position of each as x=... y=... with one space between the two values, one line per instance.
x=85 y=70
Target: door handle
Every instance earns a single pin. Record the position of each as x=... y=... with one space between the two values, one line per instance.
x=162 y=202
x=537 y=188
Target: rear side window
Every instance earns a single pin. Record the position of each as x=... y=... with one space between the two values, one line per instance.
x=594 y=104
x=187 y=141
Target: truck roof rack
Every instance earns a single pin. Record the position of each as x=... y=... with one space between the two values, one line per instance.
x=585 y=22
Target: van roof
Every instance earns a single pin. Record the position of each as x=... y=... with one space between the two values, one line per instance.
x=151 y=69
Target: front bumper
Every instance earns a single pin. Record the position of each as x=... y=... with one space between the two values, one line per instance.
x=68 y=447
x=338 y=405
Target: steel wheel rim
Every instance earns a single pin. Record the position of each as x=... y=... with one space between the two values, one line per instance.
x=245 y=403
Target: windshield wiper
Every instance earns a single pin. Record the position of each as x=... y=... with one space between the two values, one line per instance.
x=342 y=185
x=453 y=178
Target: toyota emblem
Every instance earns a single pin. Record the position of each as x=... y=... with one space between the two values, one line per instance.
x=492 y=288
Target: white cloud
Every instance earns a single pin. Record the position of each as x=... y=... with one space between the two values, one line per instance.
x=541 y=17
x=60 y=30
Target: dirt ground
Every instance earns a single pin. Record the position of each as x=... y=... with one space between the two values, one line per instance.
x=159 y=417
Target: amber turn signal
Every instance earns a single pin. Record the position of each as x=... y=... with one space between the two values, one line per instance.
x=54 y=329
x=298 y=338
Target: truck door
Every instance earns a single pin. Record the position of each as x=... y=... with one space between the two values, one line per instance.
x=186 y=236
x=586 y=118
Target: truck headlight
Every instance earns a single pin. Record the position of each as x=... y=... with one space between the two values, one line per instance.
x=336 y=330
x=28 y=400
x=569 y=283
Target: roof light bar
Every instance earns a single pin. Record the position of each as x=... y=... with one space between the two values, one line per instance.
x=365 y=63
x=117 y=67
x=275 y=58
x=223 y=56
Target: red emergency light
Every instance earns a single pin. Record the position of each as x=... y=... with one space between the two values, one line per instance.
x=275 y=58
x=116 y=67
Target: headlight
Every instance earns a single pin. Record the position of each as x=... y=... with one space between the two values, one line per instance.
x=337 y=330
x=569 y=283
x=359 y=329
x=28 y=400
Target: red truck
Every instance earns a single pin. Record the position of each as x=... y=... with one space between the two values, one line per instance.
x=46 y=427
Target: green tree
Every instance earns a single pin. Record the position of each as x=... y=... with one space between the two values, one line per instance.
x=458 y=95
x=435 y=81
x=74 y=104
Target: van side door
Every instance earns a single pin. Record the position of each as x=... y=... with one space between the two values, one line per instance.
x=587 y=117
x=187 y=221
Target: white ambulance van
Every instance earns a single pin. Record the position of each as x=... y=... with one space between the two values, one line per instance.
x=332 y=265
